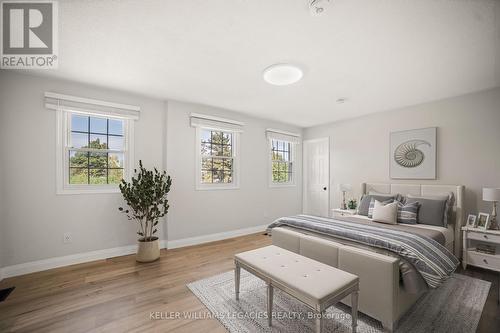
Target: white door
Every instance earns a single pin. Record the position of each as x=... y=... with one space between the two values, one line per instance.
x=316 y=200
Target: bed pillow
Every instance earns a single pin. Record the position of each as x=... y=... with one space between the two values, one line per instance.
x=385 y=213
x=397 y=197
x=364 y=203
x=372 y=205
x=408 y=213
x=432 y=210
x=448 y=212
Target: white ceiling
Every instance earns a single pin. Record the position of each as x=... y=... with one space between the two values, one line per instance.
x=379 y=54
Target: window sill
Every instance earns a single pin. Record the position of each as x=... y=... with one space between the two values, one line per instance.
x=87 y=190
x=216 y=188
x=285 y=185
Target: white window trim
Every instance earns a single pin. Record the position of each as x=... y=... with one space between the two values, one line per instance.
x=293 y=152
x=62 y=168
x=54 y=101
x=236 y=162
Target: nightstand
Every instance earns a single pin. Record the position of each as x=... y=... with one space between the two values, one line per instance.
x=474 y=236
x=338 y=212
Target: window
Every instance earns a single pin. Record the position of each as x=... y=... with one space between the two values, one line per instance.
x=282 y=157
x=94 y=145
x=217 y=146
x=282 y=162
x=96 y=150
x=216 y=157
x=216 y=162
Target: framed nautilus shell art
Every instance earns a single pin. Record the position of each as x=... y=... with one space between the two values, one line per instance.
x=413 y=154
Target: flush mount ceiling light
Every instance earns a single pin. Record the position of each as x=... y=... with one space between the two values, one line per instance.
x=282 y=74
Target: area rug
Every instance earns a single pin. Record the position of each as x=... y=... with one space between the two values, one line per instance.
x=454 y=307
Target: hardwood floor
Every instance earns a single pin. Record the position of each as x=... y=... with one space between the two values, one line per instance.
x=490 y=318
x=119 y=294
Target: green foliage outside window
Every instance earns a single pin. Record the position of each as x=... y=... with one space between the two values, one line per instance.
x=95 y=167
x=216 y=157
x=87 y=164
x=282 y=161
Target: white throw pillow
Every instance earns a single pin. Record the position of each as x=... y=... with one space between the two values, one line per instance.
x=385 y=213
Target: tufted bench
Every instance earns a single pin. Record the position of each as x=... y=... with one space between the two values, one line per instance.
x=315 y=284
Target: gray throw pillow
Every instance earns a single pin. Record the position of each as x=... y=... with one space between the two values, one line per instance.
x=431 y=212
x=397 y=197
x=364 y=203
x=408 y=213
x=448 y=211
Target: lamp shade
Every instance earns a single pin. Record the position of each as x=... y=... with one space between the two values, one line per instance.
x=345 y=187
x=491 y=194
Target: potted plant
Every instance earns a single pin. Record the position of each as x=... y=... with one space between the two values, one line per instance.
x=352 y=204
x=146 y=197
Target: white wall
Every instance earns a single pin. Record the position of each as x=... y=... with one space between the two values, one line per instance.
x=468 y=145
x=2 y=187
x=34 y=218
x=497 y=41
x=194 y=213
x=2 y=219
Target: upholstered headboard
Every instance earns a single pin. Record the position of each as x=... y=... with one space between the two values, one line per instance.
x=428 y=190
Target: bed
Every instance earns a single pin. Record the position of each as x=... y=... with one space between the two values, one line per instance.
x=453 y=232
x=381 y=272
x=447 y=234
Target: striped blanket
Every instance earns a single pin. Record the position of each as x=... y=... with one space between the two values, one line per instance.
x=431 y=259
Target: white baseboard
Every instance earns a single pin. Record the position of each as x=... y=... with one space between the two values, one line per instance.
x=45 y=264
x=172 y=244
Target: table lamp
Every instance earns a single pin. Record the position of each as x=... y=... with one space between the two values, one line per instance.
x=492 y=195
x=344 y=188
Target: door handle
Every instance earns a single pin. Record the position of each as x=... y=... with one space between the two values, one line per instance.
x=324 y=188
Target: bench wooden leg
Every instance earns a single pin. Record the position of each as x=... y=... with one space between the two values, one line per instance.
x=237 y=272
x=269 y=304
x=354 y=310
x=319 y=322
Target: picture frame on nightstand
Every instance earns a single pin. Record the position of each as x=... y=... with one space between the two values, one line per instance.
x=483 y=221
x=471 y=221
